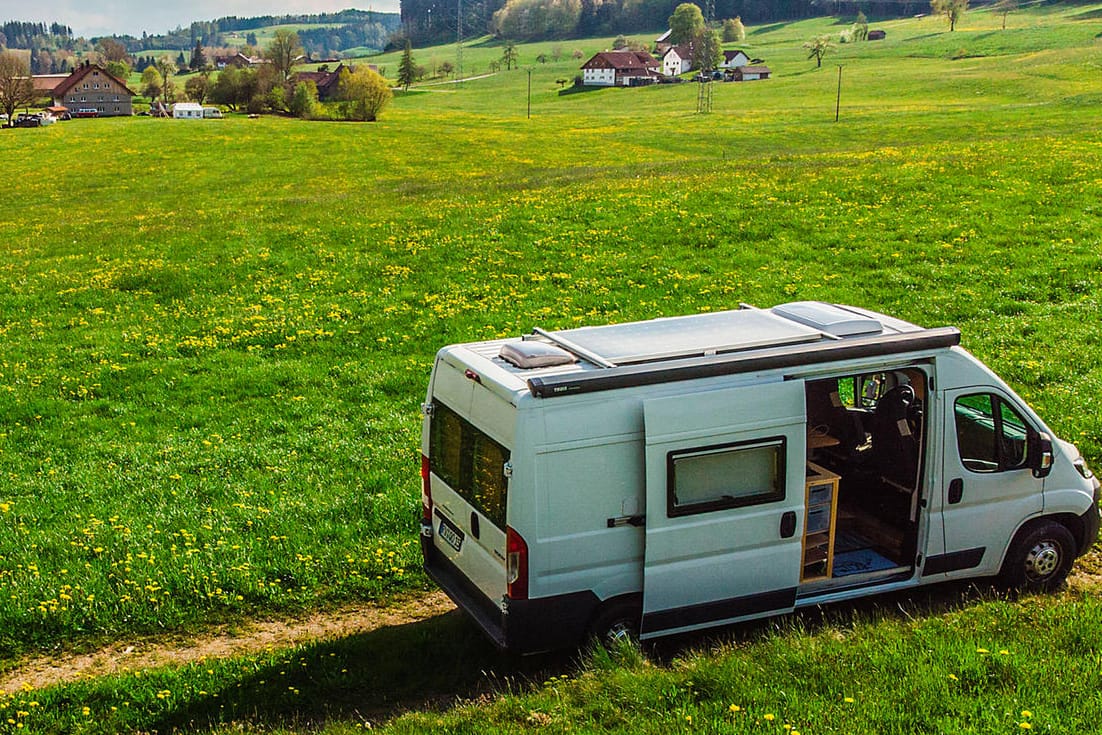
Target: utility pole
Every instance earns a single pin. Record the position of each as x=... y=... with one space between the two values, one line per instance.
x=838 y=103
x=529 y=93
x=459 y=43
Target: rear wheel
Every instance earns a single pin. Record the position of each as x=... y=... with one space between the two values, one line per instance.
x=1040 y=558
x=616 y=625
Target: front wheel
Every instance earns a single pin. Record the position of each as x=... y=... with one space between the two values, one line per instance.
x=1040 y=559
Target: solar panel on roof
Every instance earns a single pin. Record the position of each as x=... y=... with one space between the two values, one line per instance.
x=688 y=336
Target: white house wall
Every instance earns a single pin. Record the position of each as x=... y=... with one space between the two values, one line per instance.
x=599 y=77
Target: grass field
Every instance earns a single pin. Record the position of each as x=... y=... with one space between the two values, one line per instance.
x=215 y=336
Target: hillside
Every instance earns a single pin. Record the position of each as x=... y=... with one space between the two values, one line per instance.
x=216 y=337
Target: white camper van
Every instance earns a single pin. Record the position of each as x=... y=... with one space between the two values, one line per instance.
x=670 y=475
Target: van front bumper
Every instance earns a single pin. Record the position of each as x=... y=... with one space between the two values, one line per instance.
x=518 y=626
x=1091 y=520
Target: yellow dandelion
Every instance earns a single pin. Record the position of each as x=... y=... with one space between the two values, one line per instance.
x=769 y=717
x=953 y=677
x=1025 y=725
x=734 y=708
x=982 y=650
x=848 y=700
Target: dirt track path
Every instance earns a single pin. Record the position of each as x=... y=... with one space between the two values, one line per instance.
x=257 y=636
x=222 y=641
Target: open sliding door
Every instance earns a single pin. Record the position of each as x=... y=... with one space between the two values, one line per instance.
x=725 y=500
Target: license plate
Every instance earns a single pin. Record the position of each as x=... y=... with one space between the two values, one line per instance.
x=450 y=533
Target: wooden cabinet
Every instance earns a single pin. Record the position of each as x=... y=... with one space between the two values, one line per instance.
x=821 y=496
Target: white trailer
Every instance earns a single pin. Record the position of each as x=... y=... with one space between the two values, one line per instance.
x=666 y=476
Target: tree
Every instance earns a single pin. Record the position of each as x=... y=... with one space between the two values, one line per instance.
x=152 y=83
x=181 y=61
x=234 y=87
x=1005 y=8
x=509 y=55
x=198 y=87
x=16 y=88
x=364 y=94
x=167 y=68
x=198 y=58
x=733 y=30
x=861 y=27
x=407 y=70
x=620 y=43
x=118 y=69
x=283 y=53
x=304 y=100
x=112 y=50
x=953 y=10
x=707 y=49
x=250 y=38
x=817 y=48
x=685 y=23
x=446 y=68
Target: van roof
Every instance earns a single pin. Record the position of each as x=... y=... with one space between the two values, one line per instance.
x=698 y=345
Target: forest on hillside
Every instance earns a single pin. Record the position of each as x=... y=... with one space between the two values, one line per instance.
x=52 y=45
x=435 y=21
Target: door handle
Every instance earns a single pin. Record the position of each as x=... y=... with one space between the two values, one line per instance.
x=788 y=524
x=956 y=491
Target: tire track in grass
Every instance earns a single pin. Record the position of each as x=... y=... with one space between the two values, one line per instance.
x=222 y=641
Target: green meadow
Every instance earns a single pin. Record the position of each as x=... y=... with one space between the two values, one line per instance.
x=215 y=337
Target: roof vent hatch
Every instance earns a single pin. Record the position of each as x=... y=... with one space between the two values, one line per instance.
x=532 y=354
x=834 y=320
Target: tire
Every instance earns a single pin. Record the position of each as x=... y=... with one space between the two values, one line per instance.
x=615 y=625
x=1040 y=558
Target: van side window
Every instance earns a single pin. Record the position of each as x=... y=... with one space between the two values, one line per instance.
x=991 y=435
x=725 y=476
x=471 y=463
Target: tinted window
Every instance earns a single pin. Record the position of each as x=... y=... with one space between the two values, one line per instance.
x=991 y=435
x=470 y=462
x=727 y=476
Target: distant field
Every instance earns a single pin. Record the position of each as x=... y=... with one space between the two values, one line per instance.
x=215 y=336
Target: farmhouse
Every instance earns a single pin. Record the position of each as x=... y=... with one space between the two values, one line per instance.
x=662 y=43
x=240 y=60
x=733 y=59
x=91 y=87
x=751 y=73
x=677 y=60
x=620 y=69
x=327 y=82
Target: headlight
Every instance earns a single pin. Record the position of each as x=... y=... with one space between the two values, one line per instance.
x=1082 y=469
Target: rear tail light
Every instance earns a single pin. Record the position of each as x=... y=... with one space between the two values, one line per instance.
x=426 y=496
x=516 y=565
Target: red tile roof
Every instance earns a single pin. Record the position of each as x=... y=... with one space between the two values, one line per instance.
x=622 y=61
x=82 y=71
x=44 y=84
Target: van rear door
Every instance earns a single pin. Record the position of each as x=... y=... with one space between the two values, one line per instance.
x=469 y=436
x=725 y=498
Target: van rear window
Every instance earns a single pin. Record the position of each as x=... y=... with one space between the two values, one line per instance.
x=470 y=462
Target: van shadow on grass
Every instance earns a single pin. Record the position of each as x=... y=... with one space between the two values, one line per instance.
x=915 y=603
x=437 y=663
x=368 y=678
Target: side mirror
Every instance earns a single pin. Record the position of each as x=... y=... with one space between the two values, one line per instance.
x=1040 y=453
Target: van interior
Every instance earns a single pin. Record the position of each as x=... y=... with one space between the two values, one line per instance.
x=866 y=437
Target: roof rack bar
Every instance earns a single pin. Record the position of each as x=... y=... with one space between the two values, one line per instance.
x=798 y=355
x=574 y=349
